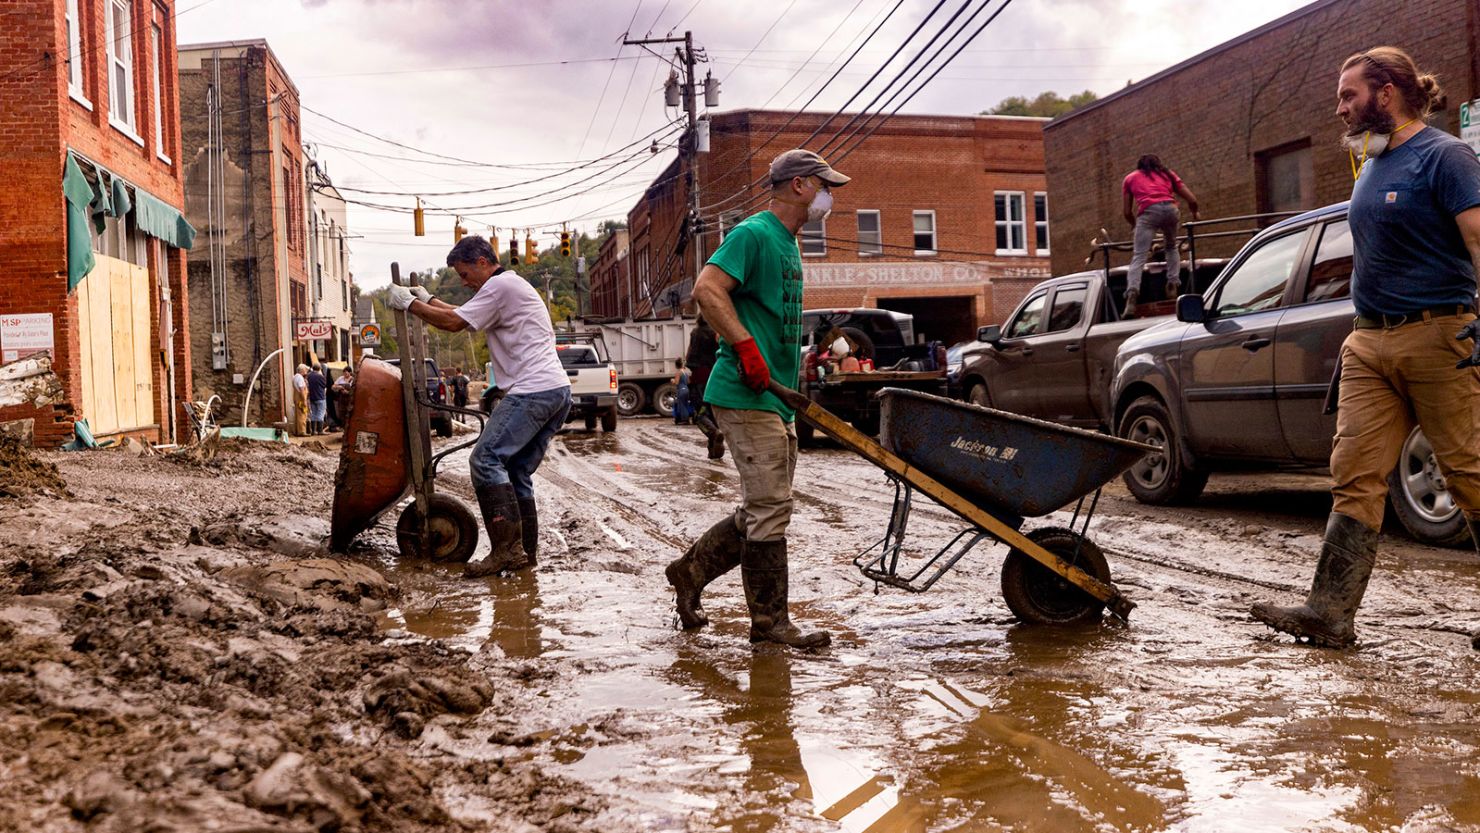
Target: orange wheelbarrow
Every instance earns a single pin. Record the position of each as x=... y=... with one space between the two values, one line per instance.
x=387 y=454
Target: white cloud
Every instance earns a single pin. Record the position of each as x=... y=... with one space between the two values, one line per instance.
x=370 y=63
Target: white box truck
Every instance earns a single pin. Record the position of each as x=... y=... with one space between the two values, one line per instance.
x=643 y=352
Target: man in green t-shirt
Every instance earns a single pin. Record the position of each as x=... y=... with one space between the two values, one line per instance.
x=751 y=293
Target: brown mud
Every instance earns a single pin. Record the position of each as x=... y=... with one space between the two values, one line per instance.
x=175 y=651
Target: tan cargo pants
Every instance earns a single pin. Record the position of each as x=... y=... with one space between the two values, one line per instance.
x=765 y=453
x=1390 y=379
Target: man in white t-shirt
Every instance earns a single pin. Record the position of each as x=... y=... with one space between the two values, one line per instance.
x=521 y=349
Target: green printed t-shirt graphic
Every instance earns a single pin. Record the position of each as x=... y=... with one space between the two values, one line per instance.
x=761 y=254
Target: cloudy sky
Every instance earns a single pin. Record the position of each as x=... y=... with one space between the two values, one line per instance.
x=529 y=88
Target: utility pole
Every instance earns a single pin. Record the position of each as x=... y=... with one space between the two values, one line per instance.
x=689 y=147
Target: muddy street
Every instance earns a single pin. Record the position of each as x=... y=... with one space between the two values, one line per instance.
x=567 y=699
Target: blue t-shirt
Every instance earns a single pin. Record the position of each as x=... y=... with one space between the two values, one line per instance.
x=1408 y=254
x=317 y=385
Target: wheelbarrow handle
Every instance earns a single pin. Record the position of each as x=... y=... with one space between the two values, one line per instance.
x=793 y=399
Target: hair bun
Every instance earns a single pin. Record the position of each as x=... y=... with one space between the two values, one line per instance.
x=1430 y=86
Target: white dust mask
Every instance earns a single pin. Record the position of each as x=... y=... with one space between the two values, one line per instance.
x=820 y=207
x=840 y=347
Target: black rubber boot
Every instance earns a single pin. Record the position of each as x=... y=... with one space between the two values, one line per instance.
x=717 y=552
x=505 y=532
x=1326 y=619
x=764 y=571
x=529 y=522
x=705 y=420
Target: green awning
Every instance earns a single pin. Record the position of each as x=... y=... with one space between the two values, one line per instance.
x=109 y=196
x=78 y=193
x=158 y=219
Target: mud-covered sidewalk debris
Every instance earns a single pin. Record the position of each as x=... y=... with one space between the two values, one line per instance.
x=168 y=661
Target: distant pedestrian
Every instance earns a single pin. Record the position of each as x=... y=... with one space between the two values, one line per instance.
x=1149 y=202
x=521 y=347
x=342 y=393
x=703 y=350
x=1415 y=227
x=683 y=409
x=459 y=390
x=300 y=401
x=751 y=291
x=318 y=399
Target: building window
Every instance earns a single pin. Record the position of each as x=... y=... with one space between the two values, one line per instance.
x=1040 y=222
x=121 y=113
x=74 y=54
x=870 y=234
x=814 y=239
x=156 y=56
x=924 y=232
x=1012 y=231
x=1287 y=178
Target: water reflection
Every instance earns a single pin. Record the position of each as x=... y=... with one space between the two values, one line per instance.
x=517 y=622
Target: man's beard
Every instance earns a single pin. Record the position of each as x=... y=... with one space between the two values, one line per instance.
x=1372 y=119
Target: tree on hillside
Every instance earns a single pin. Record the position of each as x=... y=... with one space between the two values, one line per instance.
x=1046 y=104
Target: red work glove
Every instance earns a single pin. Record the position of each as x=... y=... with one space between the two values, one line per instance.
x=753 y=370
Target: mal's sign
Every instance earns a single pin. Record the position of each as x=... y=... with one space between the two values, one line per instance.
x=312 y=330
x=370 y=335
x=24 y=334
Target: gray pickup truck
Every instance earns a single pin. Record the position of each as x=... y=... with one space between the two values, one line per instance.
x=1239 y=379
x=1053 y=357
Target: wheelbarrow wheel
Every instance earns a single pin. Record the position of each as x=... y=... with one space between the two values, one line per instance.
x=1037 y=595
x=453 y=526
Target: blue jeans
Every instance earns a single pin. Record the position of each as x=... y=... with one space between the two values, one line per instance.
x=514 y=441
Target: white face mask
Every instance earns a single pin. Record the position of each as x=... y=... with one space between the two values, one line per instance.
x=820 y=207
x=1369 y=146
x=840 y=347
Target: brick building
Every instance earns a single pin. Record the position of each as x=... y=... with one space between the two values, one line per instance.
x=245 y=189
x=1250 y=125
x=92 y=216
x=946 y=217
x=330 y=285
x=611 y=277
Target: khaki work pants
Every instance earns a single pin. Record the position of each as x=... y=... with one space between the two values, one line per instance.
x=1390 y=380
x=765 y=453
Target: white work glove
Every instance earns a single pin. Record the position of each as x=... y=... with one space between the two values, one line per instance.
x=399 y=297
x=421 y=294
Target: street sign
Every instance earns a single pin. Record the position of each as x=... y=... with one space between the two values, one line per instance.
x=1469 y=124
x=24 y=334
x=312 y=330
x=370 y=335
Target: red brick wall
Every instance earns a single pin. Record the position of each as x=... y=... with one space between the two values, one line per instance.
x=41 y=122
x=1209 y=120
x=951 y=165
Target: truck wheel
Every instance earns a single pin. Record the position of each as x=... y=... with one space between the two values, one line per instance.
x=609 y=419
x=1159 y=478
x=1420 y=498
x=453 y=526
x=630 y=399
x=664 y=399
x=591 y=421
x=977 y=395
x=1037 y=595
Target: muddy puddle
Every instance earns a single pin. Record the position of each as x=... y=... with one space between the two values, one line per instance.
x=939 y=712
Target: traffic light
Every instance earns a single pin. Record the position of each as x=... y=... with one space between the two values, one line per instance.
x=565 y=244
x=419 y=220
x=493 y=239
x=457 y=230
x=513 y=252
x=531 y=254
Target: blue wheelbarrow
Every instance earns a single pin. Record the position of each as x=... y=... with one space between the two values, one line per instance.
x=993 y=469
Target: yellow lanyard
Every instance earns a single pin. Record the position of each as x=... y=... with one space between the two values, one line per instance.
x=1357 y=169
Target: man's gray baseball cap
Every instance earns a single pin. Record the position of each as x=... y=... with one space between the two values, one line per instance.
x=804 y=163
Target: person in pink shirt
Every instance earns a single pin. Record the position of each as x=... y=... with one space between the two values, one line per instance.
x=1150 y=205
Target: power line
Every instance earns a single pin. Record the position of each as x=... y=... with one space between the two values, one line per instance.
x=621 y=43
x=764 y=35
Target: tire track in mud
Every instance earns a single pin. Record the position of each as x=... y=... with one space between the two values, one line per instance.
x=579 y=494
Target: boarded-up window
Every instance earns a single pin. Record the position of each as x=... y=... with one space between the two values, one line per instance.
x=113 y=312
x=1287 y=178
